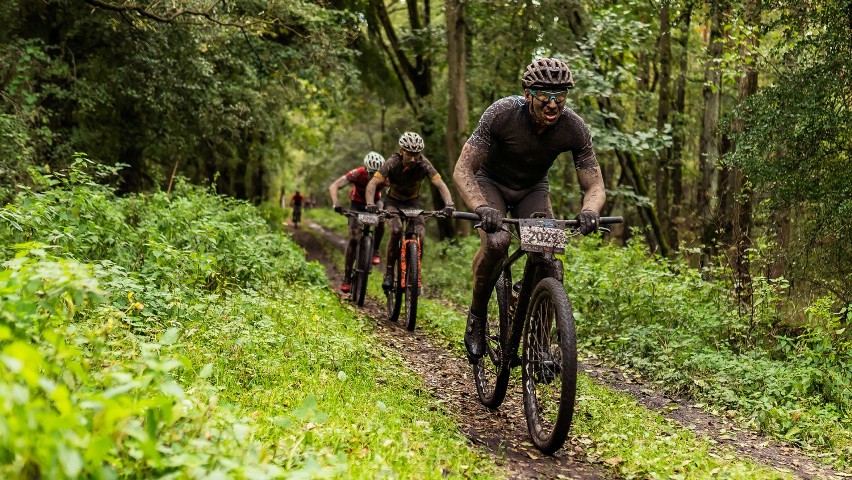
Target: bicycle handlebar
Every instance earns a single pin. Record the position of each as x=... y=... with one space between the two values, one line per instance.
x=514 y=221
x=386 y=214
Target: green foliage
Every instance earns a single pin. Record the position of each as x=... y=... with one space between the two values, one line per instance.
x=795 y=145
x=667 y=321
x=171 y=336
x=203 y=94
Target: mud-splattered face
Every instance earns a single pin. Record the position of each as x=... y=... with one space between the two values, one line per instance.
x=545 y=105
x=408 y=158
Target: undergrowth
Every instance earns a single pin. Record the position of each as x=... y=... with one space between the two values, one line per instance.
x=178 y=336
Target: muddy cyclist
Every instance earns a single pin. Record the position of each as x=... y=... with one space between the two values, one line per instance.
x=405 y=170
x=503 y=169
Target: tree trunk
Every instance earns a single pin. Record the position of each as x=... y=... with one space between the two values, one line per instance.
x=457 y=109
x=661 y=172
x=709 y=143
x=679 y=133
x=743 y=195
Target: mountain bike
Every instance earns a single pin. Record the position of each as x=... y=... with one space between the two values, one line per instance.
x=297 y=215
x=407 y=281
x=535 y=309
x=363 y=253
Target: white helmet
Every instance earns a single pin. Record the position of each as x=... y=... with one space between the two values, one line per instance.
x=411 y=142
x=373 y=161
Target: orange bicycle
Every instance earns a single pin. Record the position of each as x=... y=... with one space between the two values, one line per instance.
x=407 y=281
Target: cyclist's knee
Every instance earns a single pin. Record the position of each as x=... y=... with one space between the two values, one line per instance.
x=497 y=244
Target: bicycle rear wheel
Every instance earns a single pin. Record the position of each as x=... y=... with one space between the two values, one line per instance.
x=549 y=365
x=412 y=284
x=394 y=295
x=362 y=271
x=491 y=371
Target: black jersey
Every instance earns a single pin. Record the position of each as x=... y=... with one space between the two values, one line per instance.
x=405 y=181
x=518 y=157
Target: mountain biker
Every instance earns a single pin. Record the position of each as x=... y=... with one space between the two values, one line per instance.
x=503 y=168
x=405 y=171
x=296 y=202
x=358 y=177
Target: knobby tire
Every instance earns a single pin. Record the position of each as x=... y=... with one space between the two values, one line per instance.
x=412 y=283
x=364 y=259
x=491 y=372
x=394 y=296
x=549 y=365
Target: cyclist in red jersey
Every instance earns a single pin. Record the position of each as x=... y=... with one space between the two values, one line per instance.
x=296 y=202
x=358 y=178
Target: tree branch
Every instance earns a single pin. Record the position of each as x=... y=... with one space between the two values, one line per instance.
x=162 y=18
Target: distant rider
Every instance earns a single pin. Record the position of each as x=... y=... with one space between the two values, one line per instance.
x=358 y=178
x=296 y=202
x=405 y=171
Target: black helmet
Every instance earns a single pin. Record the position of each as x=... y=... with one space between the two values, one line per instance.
x=547 y=73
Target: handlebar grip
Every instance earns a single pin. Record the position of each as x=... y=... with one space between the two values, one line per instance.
x=466 y=216
x=611 y=220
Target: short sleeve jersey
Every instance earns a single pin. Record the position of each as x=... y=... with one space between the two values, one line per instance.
x=518 y=157
x=405 y=181
x=359 y=178
x=297 y=200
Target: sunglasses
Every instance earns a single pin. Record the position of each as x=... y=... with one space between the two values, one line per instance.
x=546 y=97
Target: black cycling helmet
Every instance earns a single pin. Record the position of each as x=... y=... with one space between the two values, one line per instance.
x=547 y=73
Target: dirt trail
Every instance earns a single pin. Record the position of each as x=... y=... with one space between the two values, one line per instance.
x=504 y=432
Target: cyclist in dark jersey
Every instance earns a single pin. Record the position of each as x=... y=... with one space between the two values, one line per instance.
x=358 y=178
x=296 y=202
x=405 y=171
x=503 y=169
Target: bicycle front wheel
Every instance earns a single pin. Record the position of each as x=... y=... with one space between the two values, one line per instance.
x=491 y=371
x=362 y=271
x=412 y=283
x=549 y=365
x=394 y=295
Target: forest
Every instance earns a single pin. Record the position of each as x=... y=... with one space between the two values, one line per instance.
x=147 y=149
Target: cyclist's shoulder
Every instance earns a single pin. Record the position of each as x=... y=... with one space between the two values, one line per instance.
x=572 y=119
x=506 y=105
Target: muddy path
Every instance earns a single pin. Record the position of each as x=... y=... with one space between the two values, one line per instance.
x=503 y=433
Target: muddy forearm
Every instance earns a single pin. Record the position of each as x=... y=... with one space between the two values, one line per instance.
x=444 y=190
x=594 y=192
x=334 y=187
x=464 y=175
x=370 y=193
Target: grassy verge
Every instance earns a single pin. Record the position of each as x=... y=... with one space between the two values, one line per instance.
x=614 y=429
x=177 y=336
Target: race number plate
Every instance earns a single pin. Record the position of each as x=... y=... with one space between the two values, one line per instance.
x=368 y=218
x=543 y=235
x=412 y=212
